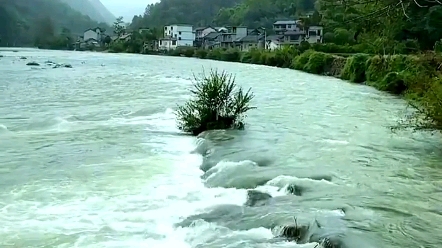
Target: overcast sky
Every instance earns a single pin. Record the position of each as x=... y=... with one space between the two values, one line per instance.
x=127 y=8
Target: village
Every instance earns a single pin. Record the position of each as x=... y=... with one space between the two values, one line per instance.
x=284 y=33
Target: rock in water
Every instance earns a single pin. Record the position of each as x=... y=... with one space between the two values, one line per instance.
x=257 y=198
x=295 y=189
x=296 y=233
x=33 y=64
x=23 y=58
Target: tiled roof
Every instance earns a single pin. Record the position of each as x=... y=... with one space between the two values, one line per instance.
x=286 y=22
x=212 y=35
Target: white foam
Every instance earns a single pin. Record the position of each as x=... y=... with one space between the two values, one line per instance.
x=135 y=204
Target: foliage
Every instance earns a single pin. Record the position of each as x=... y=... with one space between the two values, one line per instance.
x=119 y=28
x=256 y=13
x=417 y=77
x=217 y=103
x=22 y=21
x=355 y=68
x=48 y=39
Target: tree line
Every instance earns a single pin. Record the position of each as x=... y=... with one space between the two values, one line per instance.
x=382 y=27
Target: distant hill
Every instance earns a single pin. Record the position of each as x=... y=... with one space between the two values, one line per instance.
x=21 y=18
x=107 y=15
x=92 y=8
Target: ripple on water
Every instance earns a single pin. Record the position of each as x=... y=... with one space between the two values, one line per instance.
x=91 y=158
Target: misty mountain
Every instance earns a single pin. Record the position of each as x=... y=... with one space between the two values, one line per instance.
x=92 y=8
x=20 y=20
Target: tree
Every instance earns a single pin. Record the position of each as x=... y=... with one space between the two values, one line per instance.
x=44 y=32
x=107 y=40
x=119 y=28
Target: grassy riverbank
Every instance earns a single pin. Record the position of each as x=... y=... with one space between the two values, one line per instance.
x=415 y=77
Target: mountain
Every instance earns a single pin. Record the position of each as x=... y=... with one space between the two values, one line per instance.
x=107 y=15
x=21 y=20
x=92 y=8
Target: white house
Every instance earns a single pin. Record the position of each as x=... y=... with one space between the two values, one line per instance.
x=314 y=34
x=96 y=34
x=167 y=44
x=177 y=35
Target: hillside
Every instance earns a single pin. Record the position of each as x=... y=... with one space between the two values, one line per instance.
x=222 y=12
x=92 y=8
x=21 y=20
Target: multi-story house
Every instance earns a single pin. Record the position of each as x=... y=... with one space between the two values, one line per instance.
x=293 y=33
x=177 y=35
x=229 y=35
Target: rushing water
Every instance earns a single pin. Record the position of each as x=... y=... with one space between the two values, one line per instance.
x=90 y=157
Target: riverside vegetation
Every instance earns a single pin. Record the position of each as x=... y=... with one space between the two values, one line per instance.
x=416 y=77
x=216 y=103
x=392 y=45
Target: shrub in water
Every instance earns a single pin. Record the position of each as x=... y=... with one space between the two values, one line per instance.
x=217 y=103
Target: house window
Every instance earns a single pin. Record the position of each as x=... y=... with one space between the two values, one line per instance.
x=165 y=28
x=174 y=43
x=319 y=32
x=289 y=26
x=179 y=32
x=179 y=38
x=175 y=35
x=171 y=28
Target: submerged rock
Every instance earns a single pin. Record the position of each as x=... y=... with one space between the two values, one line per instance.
x=218 y=214
x=296 y=233
x=23 y=57
x=33 y=64
x=257 y=198
x=62 y=65
x=1 y=56
x=295 y=189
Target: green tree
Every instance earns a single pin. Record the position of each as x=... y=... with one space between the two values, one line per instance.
x=119 y=28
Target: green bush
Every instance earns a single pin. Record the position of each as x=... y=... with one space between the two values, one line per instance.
x=201 y=53
x=300 y=61
x=217 y=103
x=117 y=47
x=355 y=68
x=393 y=82
x=215 y=54
x=319 y=63
x=283 y=57
x=231 y=55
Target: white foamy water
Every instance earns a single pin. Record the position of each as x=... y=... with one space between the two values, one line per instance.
x=91 y=157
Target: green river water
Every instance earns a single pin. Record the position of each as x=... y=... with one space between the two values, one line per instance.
x=90 y=157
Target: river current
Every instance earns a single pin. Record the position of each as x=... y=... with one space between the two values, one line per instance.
x=90 y=156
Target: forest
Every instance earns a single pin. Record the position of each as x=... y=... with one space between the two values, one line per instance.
x=23 y=22
x=388 y=26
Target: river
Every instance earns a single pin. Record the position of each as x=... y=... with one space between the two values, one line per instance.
x=90 y=157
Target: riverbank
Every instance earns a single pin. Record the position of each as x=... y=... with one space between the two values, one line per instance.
x=414 y=77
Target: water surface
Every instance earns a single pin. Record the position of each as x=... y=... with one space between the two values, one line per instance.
x=90 y=157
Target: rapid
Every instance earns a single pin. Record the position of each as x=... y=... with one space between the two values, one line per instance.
x=90 y=156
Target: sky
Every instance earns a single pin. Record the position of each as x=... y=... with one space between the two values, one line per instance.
x=127 y=8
